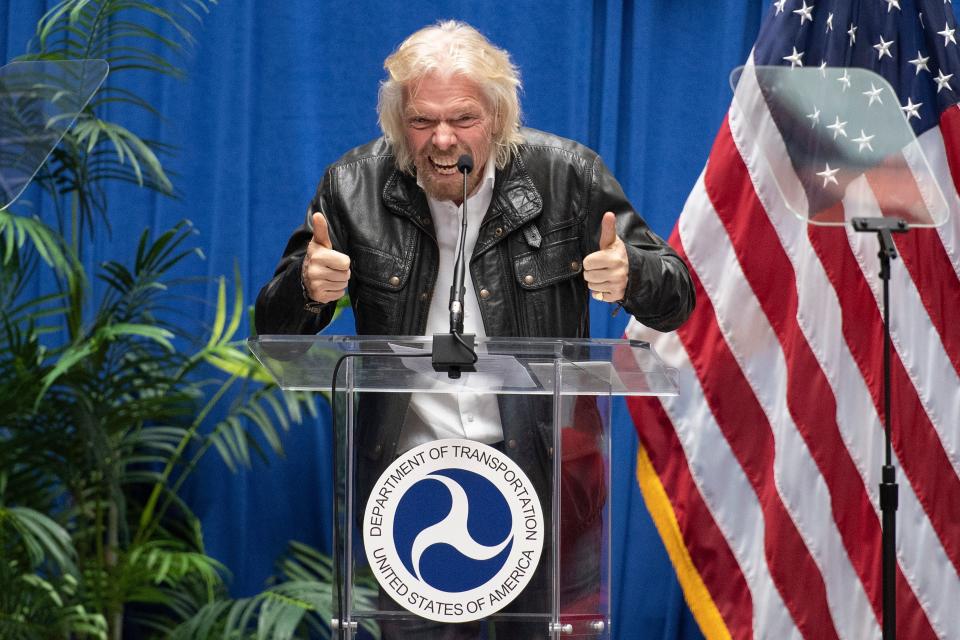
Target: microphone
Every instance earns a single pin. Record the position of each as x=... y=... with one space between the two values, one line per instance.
x=457 y=289
x=454 y=352
x=465 y=166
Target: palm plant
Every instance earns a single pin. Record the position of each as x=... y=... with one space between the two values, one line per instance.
x=297 y=605
x=99 y=433
x=97 y=152
x=34 y=546
x=107 y=406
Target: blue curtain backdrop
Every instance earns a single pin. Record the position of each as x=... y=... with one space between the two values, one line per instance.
x=277 y=90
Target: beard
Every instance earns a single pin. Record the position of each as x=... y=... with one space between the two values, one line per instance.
x=438 y=175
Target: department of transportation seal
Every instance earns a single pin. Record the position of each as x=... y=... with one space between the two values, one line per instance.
x=453 y=530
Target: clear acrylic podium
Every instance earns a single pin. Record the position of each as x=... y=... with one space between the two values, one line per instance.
x=555 y=399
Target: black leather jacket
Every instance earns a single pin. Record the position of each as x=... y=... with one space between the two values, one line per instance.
x=544 y=218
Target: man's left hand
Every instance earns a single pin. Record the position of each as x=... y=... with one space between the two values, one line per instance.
x=606 y=270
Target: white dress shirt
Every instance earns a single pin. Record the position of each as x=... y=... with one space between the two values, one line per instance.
x=474 y=416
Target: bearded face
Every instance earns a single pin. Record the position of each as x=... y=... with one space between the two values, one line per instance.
x=444 y=118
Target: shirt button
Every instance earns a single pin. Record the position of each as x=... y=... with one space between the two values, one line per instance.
x=484 y=294
x=469 y=417
x=528 y=279
x=394 y=281
x=512 y=444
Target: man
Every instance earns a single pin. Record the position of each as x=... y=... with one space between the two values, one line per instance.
x=548 y=227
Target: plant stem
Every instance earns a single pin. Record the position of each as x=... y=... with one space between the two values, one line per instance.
x=99 y=553
x=75 y=222
x=113 y=544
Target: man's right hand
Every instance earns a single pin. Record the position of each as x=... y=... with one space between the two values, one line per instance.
x=325 y=272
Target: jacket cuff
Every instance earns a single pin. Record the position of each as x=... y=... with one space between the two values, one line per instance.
x=656 y=284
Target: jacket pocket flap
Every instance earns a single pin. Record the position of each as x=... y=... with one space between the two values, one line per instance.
x=379 y=269
x=549 y=264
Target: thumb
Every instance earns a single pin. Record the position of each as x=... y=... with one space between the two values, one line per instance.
x=321 y=235
x=608 y=230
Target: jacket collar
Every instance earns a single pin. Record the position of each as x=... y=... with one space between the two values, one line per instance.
x=515 y=198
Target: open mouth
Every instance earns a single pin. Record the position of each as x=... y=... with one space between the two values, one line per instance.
x=443 y=168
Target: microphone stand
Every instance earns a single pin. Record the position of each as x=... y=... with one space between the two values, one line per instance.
x=454 y=352
x=884 y=228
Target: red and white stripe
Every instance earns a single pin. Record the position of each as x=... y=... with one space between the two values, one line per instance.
x=778 y=421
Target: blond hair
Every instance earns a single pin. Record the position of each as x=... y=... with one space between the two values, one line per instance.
x=451 y=48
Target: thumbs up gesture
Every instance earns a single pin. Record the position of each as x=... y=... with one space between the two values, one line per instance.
x=325 y=272
x=606 y=270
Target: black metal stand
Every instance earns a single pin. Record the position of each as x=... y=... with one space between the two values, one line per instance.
x=454 y=352
x=884 y=228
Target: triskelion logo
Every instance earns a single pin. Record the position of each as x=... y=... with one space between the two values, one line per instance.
x=453 y=530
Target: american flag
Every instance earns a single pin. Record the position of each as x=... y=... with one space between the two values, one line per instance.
x=763 y=474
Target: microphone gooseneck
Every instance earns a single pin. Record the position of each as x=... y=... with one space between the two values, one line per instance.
x=454 y=352
x=457 y=289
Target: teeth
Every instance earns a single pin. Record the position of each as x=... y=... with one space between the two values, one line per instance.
x=443 y=169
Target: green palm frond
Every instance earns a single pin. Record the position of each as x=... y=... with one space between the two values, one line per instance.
x=103 y=29
x=40 y=607
x=89 y=132
x=34 y=539
x=37 y=569
x=130 y=35
x=261 y=406
x=116 y=30
x=298 y=605
x=15 y=230
x=165 y=563
x=80 y=353
x=136 y=293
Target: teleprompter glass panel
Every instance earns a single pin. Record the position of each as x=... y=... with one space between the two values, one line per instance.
x=836 y=143
x=39 y=101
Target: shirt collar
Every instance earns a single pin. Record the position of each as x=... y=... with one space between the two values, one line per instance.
x=485 y=187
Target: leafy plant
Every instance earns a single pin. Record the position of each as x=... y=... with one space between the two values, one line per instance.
x=35 y=606
x=107 y=406
x=101 y=432
x=130 y=35
x=297 y=605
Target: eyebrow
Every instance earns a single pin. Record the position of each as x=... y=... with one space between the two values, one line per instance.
x=452 y=113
